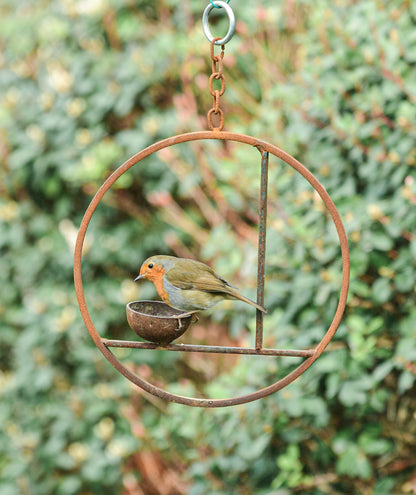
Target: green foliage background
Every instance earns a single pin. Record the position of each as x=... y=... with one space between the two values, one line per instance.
x=86 y=84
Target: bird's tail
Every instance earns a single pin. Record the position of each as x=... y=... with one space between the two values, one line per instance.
x=237 y=295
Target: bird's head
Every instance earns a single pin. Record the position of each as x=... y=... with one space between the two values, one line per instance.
x=155 y=267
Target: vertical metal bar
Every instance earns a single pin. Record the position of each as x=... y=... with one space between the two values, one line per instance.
x=262 y=246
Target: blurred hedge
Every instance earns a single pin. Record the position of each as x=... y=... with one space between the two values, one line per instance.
x=83 y=86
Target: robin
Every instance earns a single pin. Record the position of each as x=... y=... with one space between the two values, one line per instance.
x=188 y=285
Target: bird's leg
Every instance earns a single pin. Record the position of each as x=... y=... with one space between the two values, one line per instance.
x=184 y=315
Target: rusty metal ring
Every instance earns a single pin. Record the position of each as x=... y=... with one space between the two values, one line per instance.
x=212 y=112
x=218 y=76
x=315 y=353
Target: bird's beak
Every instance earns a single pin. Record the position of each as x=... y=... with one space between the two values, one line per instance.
x=139 y=277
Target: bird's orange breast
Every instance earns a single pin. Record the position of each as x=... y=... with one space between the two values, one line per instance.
x=156 y=277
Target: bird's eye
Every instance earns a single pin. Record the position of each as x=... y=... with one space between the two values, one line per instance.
x=150 y=265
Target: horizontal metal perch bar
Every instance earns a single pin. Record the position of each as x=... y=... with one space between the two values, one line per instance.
x=132 y=344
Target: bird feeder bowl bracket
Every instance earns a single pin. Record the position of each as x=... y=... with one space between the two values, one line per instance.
x=156 y=323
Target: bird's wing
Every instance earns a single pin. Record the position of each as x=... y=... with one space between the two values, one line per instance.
x=204 y=278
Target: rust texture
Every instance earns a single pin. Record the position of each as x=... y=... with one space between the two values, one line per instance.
x=262 y=246
x=217 y=74
x=133 y=344
x=310 y=355
x=157 y=322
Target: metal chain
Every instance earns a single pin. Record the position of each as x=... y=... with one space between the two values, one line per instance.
x=216 y=93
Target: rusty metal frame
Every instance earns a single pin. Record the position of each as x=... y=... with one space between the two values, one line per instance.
x=310 y=355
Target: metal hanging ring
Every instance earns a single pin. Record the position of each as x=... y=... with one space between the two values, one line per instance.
x=310 y=355
x=231 y=19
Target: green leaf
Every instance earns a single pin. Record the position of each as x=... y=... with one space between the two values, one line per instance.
x=381 y=241
x=406 y=381
x=353 y=462
x=382 y=370
x=355 y=392
x=381 y=290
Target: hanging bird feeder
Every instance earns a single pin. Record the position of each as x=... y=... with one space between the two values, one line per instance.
x=160 y=324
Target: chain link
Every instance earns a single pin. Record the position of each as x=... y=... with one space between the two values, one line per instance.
x=216 y=93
